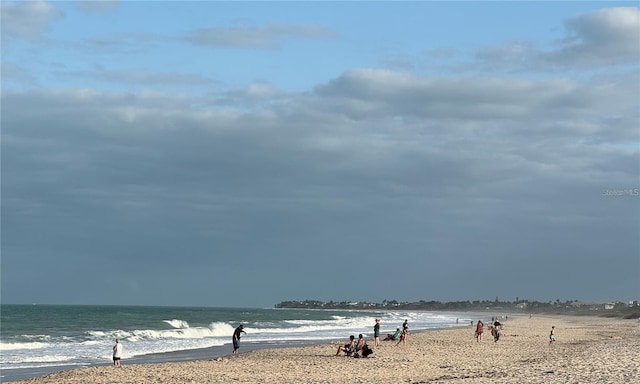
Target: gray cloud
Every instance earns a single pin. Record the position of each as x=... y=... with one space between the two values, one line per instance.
x=27 y=19
x=372 y=167
x=443 y=52
x=456 y=187
x=146 y=78
x=12 y=72
x=268 y=36
x=102 y=6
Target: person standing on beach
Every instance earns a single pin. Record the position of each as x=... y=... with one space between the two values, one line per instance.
x=552 y=335
x=236 y=338
x=403 y=335
x=376 y=332
x=405 y=328
x=479 y=330
x=117 y=353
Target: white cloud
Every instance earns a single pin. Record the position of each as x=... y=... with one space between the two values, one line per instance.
x=605 y=37
x=600 y=39
x=361 y=94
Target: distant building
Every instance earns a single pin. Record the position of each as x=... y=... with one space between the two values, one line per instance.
x=609 y=305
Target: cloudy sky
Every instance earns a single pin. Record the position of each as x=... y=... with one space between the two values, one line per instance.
x=241 y=154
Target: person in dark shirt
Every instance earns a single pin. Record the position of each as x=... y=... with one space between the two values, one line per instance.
x=236 y=338
x=376 y=332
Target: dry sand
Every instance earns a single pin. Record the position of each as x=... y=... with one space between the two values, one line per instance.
x=587 y=350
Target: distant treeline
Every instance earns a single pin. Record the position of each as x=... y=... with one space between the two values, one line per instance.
x=627 y=310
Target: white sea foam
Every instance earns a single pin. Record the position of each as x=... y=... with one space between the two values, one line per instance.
x=18 y=346
x=94 y=346
x=219 y=329
x=42 y=359
x=177 y=323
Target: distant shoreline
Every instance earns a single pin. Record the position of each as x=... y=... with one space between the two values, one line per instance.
x=571 y=308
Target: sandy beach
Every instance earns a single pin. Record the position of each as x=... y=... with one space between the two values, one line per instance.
x=587 y=350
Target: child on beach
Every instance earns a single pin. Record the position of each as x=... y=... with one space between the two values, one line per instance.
x=479 y=330
x=403 y=336
x=552 y=335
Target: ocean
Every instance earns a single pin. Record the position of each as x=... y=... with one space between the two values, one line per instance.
x=40 y=339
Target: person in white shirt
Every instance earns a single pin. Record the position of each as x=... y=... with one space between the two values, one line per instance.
x=117 y=353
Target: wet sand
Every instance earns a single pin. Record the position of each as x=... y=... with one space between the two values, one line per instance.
x=587 y=350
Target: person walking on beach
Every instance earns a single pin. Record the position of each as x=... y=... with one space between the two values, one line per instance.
x=376 y=332
x=495 y=331
x=479 y=330
x=236 y=338
x=552 y=335
x=117 y=353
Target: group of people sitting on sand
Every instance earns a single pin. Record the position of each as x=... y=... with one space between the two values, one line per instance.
x=361 y=349
x=355 y=349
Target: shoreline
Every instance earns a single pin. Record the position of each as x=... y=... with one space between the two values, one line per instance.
x=213 y=352
x=587 y=350
x=221 y=351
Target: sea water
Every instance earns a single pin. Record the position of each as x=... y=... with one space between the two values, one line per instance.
x=38 y=339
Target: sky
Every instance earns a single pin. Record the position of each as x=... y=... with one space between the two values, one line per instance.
x=239 y=154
